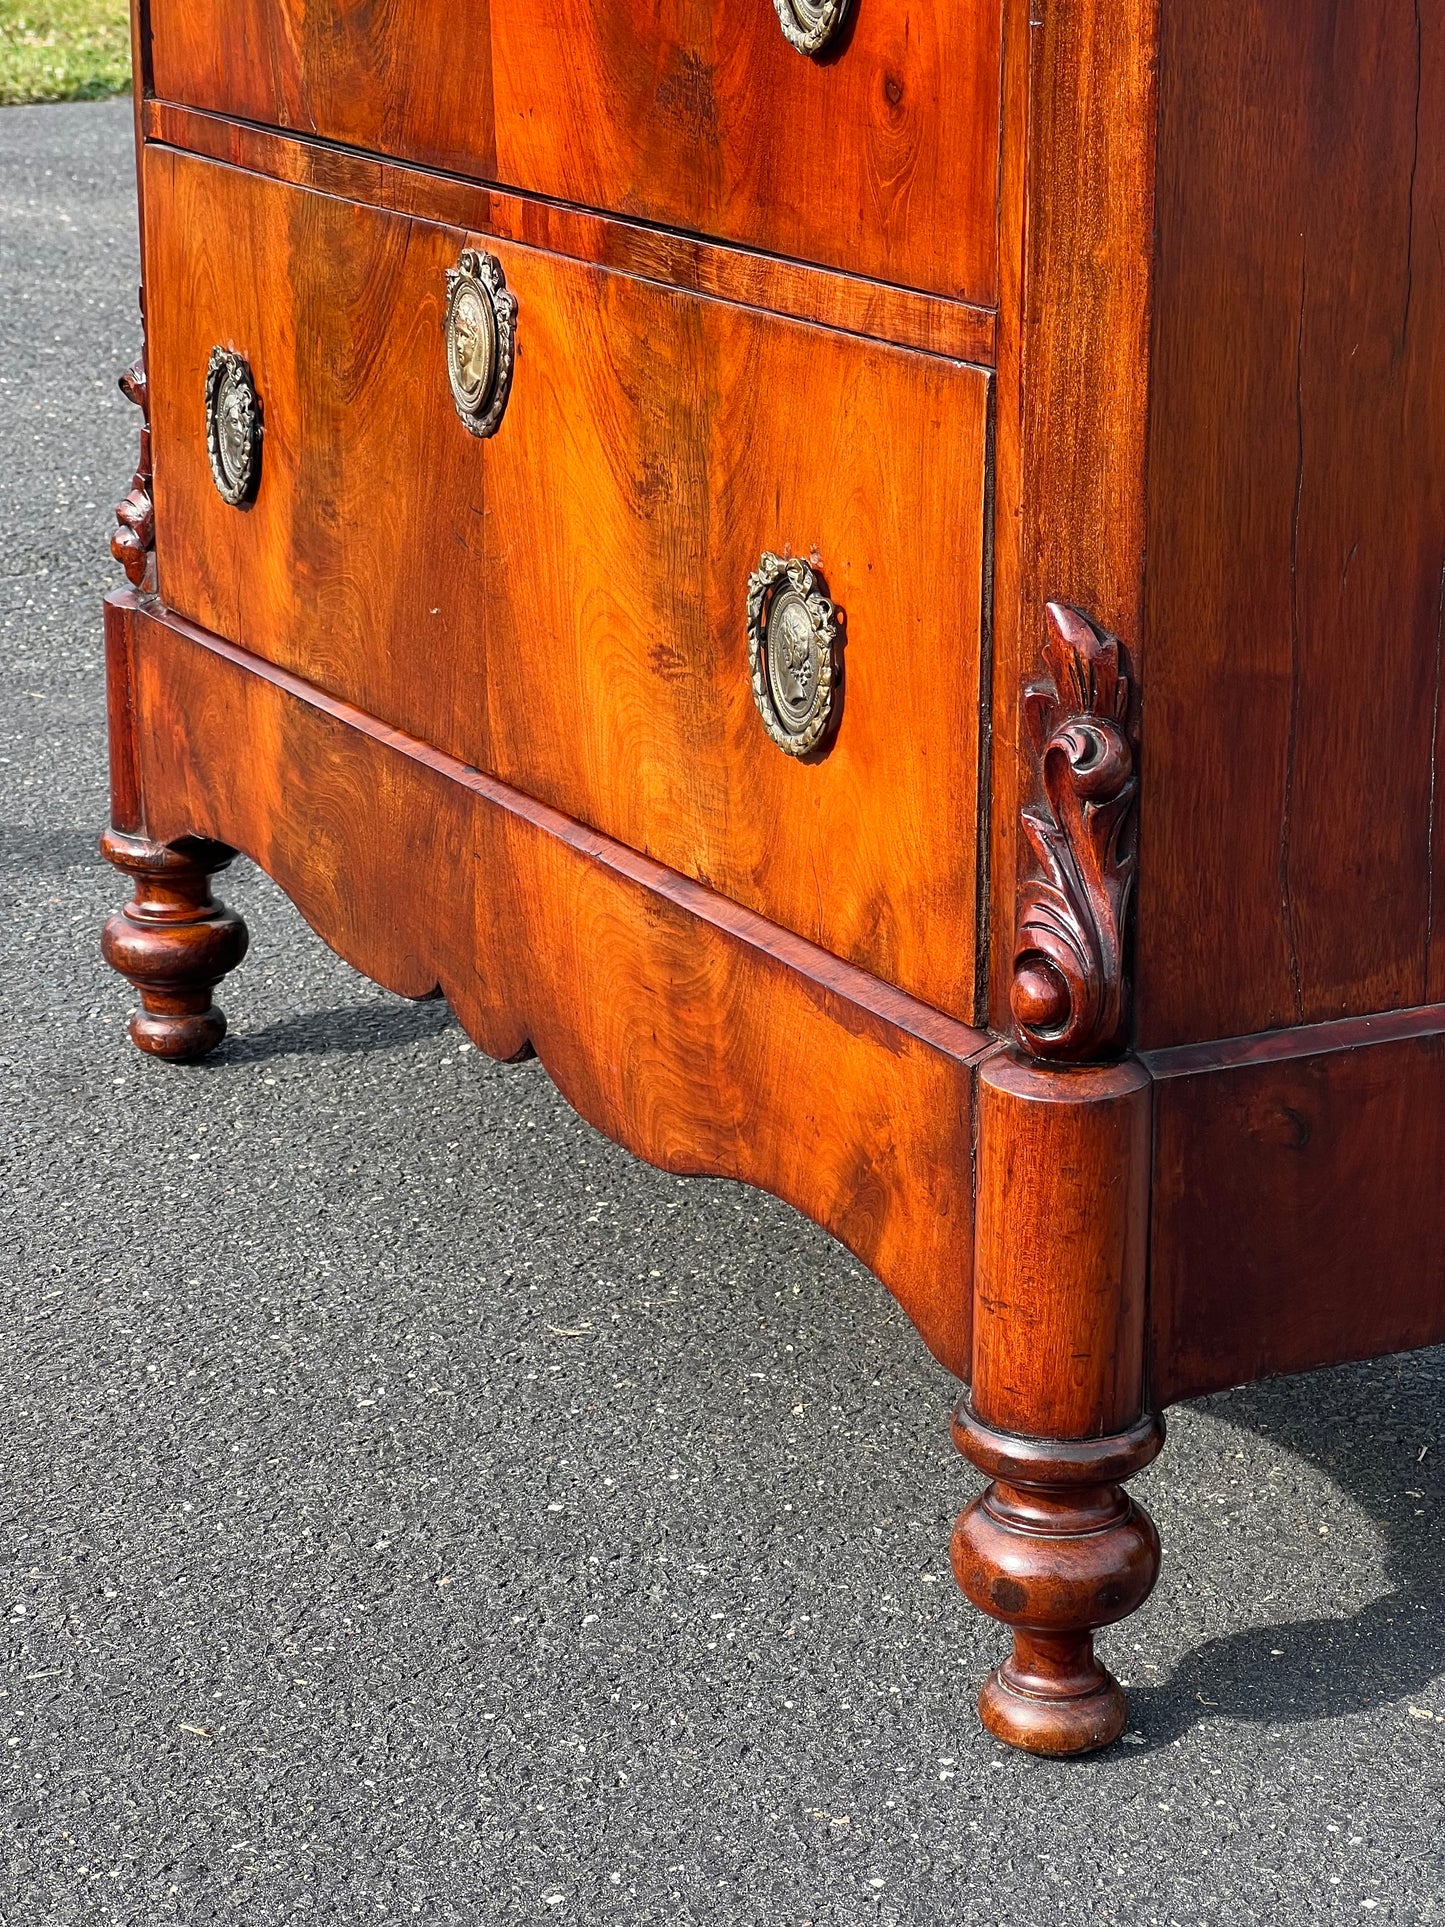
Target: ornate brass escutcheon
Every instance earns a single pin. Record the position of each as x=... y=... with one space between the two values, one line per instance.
x=233 y=426
x=792 y=643
x=480 y=327
x=811 y=25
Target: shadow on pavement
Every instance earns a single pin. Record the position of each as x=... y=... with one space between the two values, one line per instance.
x=45 y=847
x=347 y=1029
x=1363 y=1427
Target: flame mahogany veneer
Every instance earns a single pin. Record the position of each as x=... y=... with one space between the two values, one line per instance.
x=1086 y=978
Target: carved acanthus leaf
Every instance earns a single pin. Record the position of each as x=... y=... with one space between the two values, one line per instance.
x=1069 y=995
x=135 y=535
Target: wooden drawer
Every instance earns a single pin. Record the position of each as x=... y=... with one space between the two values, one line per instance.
x=564 y=604
x=881 y=159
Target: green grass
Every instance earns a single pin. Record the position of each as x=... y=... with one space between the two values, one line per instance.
x=63 y=50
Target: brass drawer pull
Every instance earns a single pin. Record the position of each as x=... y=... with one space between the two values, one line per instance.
x=792 y=644
x=480 y=329
x=233 y=426
x=811 y=25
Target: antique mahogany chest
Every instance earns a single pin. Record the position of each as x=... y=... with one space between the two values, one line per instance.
x=866 y=578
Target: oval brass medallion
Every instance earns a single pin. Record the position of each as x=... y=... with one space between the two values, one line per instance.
x=792 y=638
x=480 y=322
x=233 y=426
x=809 y=25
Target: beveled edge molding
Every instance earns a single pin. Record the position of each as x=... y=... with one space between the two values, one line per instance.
x=1324 y=1039
x=713 y=269
x=1069 y=996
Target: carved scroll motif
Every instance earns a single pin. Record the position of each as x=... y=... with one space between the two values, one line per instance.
x=1069 y=995
x=135 y=537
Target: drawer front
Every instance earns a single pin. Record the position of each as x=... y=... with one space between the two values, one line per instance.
x=881 y=159
x=564 y=603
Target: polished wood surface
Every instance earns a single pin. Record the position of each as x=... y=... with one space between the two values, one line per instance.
x=1291 y=802
x=937 y=325
x=1073 y=357
x=173 y=942
x=563 y=605
x=1097 y=350
x=1298 y=1212
x=1055 y=1548
x=1063 y=1233
x=880 y=158
x=684 y=1027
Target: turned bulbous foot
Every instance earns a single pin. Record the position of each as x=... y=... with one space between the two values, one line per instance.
x=1055 y=1548
x=173 y=941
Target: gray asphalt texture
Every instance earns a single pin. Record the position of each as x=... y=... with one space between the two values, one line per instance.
x=416 y=1509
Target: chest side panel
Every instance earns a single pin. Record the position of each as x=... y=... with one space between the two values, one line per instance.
x=1290 y=827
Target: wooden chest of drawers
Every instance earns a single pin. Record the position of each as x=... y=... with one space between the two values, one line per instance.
x=867 y=580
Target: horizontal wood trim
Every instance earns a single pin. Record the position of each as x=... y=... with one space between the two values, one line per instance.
x=692 y=1032
x=1304 y=1040
x=904 y=317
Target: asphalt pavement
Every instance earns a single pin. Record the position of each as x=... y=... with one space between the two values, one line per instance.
x=415 y=1509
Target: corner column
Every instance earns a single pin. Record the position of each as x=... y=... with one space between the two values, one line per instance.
x=1057 y=1417
x=1055 y=1548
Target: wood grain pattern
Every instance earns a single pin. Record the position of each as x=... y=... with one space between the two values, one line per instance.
x=699 y=1036
x=564 y=604
x=1291 y=805
x=1298 y=1214
x=902 y=316
x=881 y=159
x=1074 y=322
x=1054 y=1547
x=484 y=709
x=1060 y=1272
x=126 y=813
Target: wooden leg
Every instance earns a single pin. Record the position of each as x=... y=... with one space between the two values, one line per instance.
x=1055 y=1547
x=173 y=941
